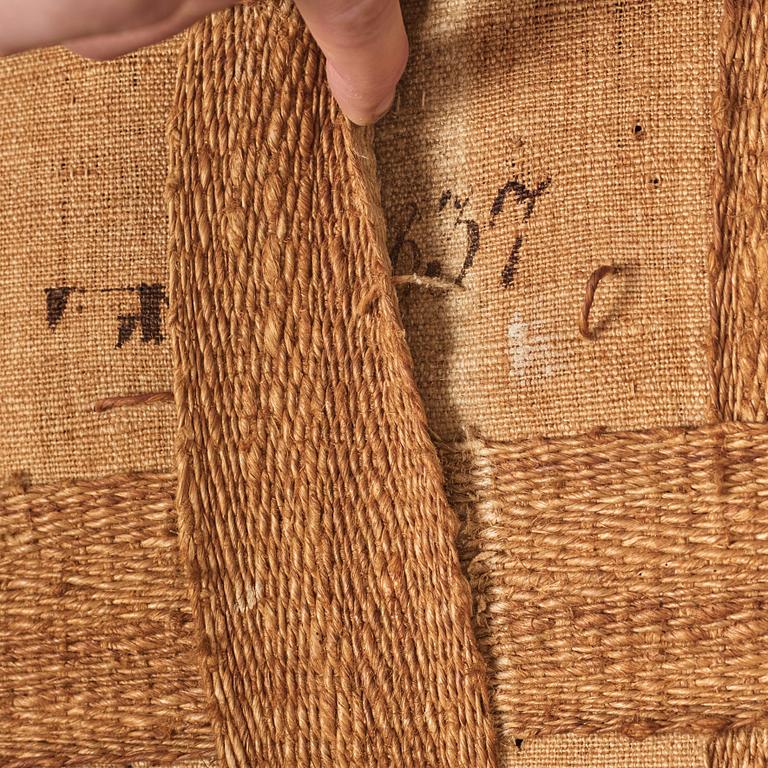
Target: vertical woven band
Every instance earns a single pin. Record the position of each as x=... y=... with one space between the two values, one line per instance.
x=334 y=620
x=739 y=264
x=739 y=261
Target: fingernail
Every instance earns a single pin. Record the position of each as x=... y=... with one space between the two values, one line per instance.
x=384 y=107
x=368 y=117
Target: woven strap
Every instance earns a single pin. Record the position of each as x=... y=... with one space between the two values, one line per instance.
x=605 y=568
x=620 y=580
x=97 y=652
x=334 y=620
x=742 y=748
x=739 y=258
x=739 y=264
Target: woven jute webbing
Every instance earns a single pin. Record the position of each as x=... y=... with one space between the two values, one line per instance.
x=739 y=264
x=325 y=581
x=97 y=652
x=619 y=580
x=743 y=748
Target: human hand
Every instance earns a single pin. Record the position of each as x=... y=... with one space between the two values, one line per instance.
x=364 y=41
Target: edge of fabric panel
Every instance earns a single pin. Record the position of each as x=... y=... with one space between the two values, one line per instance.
x=333 y=618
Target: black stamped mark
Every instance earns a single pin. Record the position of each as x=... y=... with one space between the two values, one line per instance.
x=517 y=191
x=148 y=320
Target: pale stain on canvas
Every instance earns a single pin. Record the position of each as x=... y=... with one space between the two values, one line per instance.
x=531 y=352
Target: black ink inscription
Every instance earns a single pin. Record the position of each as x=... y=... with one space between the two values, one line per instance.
x=516 y=190
x=403 y=245
x=128 y=325
x=510 y=268
x=151 y=300
x=149 y=319
x=434 y=269
x=473 y=232
x=523 y=195
x=56 y=300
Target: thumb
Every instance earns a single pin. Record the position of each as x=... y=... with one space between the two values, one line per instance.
x=366 y=50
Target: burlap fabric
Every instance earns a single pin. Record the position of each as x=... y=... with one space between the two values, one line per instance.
x=332 y=626
x=609 y=751
x=82 y=263
x=530 y=145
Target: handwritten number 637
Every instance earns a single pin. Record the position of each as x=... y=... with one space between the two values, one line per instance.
x=516 y=189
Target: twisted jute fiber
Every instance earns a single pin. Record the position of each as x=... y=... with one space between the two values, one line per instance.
x=739 y=260
x=739 y=263
x=334 y=623
x=97 y=650
x=619 y=580
x=741 y=748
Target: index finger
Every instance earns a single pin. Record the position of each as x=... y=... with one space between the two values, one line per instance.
x=26 y=24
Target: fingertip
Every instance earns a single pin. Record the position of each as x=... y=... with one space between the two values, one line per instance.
x=93 y=51
x=363 y=108
x=361 y=112
x=366 y=50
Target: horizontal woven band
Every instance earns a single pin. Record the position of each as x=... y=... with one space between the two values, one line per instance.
x=620 y=580
x=97 y=658
x=619 y=583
